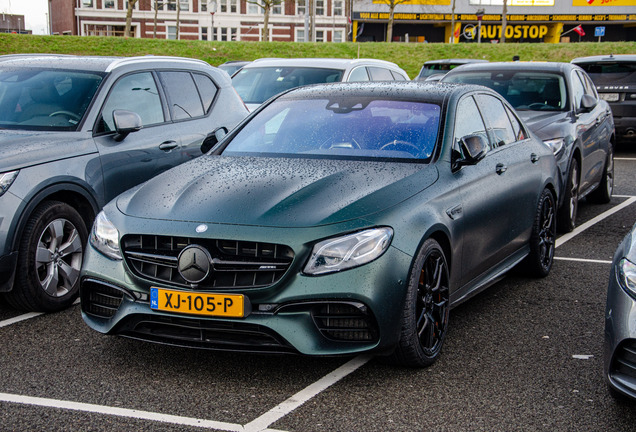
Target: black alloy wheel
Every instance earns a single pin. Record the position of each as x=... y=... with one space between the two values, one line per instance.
x=603 y=194
x=49 y=259
x=543 y=238
x=569 y=209
x=426 y=309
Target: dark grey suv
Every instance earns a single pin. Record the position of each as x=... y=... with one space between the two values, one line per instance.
x=76 y=132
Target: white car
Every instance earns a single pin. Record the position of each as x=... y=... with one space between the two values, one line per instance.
x=264 y=78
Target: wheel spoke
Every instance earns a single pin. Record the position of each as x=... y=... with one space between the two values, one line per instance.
x=43 y=255
x=68 y=274
x=73 y=245
x=49 y=284
x=56 y=229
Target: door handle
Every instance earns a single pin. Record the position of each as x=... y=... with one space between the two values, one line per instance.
x=501 y=168
x=534 y=158
x=168 y=145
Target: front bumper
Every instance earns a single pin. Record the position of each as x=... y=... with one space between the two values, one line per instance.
x=620 y=339
x=342 y=313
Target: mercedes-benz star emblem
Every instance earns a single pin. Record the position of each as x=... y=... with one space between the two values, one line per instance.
x=194 y=263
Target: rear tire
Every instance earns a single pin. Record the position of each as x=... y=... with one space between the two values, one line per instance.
x=567 y=212
x=426 y=309
x=543 y=238
x=603 y=194
x=49 y=259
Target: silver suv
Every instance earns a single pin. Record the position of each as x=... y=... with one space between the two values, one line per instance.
x=77 y=131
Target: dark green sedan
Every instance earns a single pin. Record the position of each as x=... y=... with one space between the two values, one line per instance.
x=336 y=219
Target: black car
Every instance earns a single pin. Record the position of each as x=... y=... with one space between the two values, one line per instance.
x=615 y=80
x=76 y=132
x=559 y=103
x=350 y=218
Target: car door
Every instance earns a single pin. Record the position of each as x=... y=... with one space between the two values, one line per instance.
x=485 y=201
x=141 y=154
x=586 y=131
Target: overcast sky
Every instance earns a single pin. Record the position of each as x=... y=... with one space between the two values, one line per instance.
x=35 y=13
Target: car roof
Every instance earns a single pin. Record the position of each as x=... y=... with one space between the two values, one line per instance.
x=556 y=67
x=457 y=61
x=86 y=63
x=326 y=63
x=388 y=90
x=612 y=58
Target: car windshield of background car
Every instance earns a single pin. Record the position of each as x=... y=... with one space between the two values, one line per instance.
x=610 y=73
x=32 y=99
x=537 y=91
x=256 y=85
x=345 y=127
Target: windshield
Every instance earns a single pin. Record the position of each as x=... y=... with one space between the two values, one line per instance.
x=256 y=85
x=611 y=72
x=536 y=91
x=346 y=127
x=32 y=99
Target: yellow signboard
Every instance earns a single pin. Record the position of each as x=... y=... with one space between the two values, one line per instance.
x=603 y=2
x=417 y=2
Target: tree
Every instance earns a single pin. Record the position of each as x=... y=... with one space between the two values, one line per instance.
x=389 y=28
x=267 y=6
x=156 y=4
x=129 y=12
x=503 y=21
x=178 y=18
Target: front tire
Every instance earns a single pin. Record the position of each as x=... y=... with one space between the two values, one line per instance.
x=426 y=309
x=49 y=259
x=603 y=194
x=567 y=212
x=543 y=238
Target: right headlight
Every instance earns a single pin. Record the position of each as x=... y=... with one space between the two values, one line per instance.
x=627 y=276
x=6 y=180
x=105 y=237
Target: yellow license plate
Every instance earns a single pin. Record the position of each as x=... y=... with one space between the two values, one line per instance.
x=210 y=304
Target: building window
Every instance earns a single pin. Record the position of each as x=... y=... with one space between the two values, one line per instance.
x=229 y=6
x=300 y=35
x=109 y=4
x=87 y=3
x=172 y=5
x=203 y=6
x=301 y=7
x=233 y=32
x=223 y=33
x=277 y=9
x=320 y=7
x=320 y=36
x=338 y=36
x=204 y=33
x=185 y=5
x=338 y=9
x=254 y=9
x=172 y=32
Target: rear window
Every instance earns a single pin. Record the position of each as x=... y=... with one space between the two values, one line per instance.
x=610 y=72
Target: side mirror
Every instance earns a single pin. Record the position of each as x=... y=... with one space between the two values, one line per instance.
x=125 y=123
x=473 y=148
x=213 y=139
x=587 y=103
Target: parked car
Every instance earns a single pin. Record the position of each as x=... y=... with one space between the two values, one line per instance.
x=78 y=131
x=264 y=78
x=434 y=70
x=337 y=219
x=615 y=80
x=232 y=66
x=620 y=316
x=559 y=103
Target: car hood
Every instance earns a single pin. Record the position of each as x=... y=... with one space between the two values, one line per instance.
x=277 y=192
x=546 y=125
x=19 y=149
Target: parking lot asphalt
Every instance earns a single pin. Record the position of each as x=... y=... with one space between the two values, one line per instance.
x=525 y=355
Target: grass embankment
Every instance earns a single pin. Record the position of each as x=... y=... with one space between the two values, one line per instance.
x=409 y=56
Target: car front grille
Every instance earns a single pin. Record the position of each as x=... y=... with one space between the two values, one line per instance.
x=100 y=299
x=623 y=366
x=345 y=322
x=235 y=264
x=214 y=335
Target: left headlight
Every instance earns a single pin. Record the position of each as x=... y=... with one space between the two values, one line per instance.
x=105 y=237
x=627 y=276
x=353 y=250
x=555 y=144
x=6 y=180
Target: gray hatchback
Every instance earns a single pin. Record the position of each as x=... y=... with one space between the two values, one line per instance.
x=77 y=131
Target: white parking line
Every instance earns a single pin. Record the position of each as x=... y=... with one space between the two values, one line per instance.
x=624 y=159
x=584 y=260
x=19 y=318
x=578 y=230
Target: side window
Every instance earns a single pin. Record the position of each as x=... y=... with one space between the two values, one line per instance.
x=207 y=90
x=589 y=86
x=397 y=76
x=138 y=93
x=577 y=90
x=380 y=74
x=520 y=134
x=359 y=74
x=499 y=125
x=468 y=120
x=183 y=97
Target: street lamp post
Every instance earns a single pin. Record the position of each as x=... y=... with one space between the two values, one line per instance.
x=212 y=9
